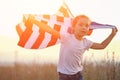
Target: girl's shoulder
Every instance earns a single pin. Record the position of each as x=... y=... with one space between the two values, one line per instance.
x=87 y=42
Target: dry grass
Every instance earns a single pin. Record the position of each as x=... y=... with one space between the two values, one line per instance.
x=29 y=72
x=102 y=71
x=107 y=69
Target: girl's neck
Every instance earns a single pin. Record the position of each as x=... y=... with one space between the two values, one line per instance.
x=78 y=37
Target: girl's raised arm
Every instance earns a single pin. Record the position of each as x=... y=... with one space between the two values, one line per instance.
x=103 y=44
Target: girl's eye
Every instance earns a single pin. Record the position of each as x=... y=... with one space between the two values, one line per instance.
x=86 y=25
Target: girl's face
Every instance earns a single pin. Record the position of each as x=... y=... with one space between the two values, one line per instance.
x=81 y=28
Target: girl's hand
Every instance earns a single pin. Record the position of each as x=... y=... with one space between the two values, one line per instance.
x=114 y=30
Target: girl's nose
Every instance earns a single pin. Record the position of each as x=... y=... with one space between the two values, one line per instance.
x=84 y=27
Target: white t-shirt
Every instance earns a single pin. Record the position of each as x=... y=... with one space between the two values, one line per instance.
x=71 y=52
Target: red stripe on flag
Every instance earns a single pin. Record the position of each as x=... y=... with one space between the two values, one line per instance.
x=60 y=19
x=26 y=34
x=64 y=11
x=24 y=19
x=53 y=38
x=24 y=37
x=40 y=38
x=19 y=30
x=46 y=16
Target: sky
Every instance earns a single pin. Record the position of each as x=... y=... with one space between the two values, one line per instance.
x=11 y=12
x=103 y=11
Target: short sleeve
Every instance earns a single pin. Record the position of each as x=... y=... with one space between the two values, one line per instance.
x=89 y=43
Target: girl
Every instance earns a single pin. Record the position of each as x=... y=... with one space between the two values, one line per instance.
x=73 y=46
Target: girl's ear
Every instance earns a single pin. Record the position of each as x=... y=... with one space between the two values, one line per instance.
x=89 y=32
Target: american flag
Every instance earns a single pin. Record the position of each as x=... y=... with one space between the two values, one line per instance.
x=31 y=37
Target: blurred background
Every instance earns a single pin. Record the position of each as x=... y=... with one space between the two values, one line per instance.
x=11 y=13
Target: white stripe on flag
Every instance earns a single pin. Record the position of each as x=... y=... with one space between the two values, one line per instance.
x=46 y=40
x=52 y=21
x=33 y=37
x=67 y=22
x=59 y=13
x=38 y=17
x=22 y=26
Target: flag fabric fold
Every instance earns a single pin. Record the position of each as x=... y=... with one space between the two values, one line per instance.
x=95 y=25
x=33 y=38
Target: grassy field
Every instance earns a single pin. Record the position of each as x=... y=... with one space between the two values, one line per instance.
x=29 y=72
x=107 y=69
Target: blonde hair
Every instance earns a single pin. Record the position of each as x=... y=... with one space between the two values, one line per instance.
x=75 y=20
